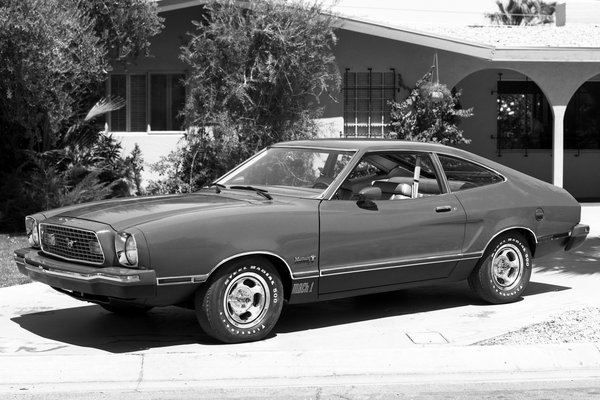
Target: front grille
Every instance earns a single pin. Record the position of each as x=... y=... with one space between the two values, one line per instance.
x=71 y=243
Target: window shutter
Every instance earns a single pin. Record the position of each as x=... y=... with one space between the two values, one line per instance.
x=118 y=118
x=138 y=103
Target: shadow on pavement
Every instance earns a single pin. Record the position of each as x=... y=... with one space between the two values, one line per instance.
x=93 y=327
x=298 y=317
x=585 y=260
x=535 y=288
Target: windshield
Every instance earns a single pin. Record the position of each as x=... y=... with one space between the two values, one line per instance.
x=293 y=168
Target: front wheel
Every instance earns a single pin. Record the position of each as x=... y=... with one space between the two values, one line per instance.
x=504 y=271
x=242 y=303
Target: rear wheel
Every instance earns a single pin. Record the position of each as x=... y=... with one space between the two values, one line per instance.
x=242 y=303
x=504 y=271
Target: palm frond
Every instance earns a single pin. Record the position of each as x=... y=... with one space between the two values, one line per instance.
x=105 y=105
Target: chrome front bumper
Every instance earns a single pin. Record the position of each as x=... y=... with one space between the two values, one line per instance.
x=124 y=283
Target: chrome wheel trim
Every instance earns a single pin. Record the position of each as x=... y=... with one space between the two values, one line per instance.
x=246 y=300
x=507 y=267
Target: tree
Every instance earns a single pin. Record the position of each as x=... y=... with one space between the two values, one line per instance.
x=55 y=56
x=522 y=12
x=257 y=74
x=50 y=58
x=124 y=27
x=430 y=113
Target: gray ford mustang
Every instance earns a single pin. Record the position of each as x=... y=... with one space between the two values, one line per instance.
x=307 y=221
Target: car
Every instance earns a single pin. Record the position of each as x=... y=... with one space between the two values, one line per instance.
x=307 y=221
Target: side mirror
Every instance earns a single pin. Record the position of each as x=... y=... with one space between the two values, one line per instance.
x=366 y=197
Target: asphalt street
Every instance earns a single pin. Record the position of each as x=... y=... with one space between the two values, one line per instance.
x=50 y=343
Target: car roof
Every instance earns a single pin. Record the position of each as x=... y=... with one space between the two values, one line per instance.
x=369 y=145
x=386 y=145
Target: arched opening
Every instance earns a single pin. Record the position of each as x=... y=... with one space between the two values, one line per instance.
x=582 y=142
x=512 y=123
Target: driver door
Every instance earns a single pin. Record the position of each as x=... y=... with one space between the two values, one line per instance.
x=412 y=231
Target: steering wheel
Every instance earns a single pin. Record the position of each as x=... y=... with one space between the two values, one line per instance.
x=322 y=182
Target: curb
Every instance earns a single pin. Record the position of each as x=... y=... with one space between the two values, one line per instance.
x=273 y=369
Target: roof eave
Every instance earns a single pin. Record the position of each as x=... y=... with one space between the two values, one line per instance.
x=419 y=38
x=546 y=54
x=440 y=42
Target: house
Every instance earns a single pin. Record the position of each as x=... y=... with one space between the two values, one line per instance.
x=535 y=90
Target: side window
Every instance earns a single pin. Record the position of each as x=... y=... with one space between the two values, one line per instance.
x=398 y=175
x=463 y=174
x=365 y=169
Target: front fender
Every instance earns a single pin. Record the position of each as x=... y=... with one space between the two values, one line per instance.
x=193 y=245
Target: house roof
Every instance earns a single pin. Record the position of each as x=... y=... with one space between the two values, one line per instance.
x=545 y=43
x=570 y=43
x=543 y=36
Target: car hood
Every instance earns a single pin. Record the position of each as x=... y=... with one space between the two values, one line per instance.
x=125 y=213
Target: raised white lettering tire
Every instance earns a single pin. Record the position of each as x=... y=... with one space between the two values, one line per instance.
x=242 y=302
x=504 y=271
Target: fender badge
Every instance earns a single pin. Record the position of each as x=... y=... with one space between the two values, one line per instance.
x=305 y=259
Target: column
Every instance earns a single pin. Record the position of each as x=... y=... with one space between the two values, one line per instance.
x=558 y=145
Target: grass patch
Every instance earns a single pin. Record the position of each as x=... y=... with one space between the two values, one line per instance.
x=9 y=274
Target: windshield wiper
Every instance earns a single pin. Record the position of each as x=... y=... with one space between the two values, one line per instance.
x=217 y=186
x=261 y=192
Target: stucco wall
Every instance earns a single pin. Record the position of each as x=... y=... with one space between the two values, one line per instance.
x=476 y=77
x=477 y=91
x=580 y=178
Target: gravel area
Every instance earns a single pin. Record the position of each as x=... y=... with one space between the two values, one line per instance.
x=576 y=326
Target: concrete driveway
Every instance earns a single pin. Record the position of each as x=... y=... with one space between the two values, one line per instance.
x=50 y=341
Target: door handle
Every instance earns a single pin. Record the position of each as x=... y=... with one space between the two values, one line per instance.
x=442 y=209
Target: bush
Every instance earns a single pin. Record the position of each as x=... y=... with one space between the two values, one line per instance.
x=55 y=57
x=257 y=74
x=430 y=113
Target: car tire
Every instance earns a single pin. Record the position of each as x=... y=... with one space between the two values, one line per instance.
x=242 y=303
x=502 y=274
x=126 y=309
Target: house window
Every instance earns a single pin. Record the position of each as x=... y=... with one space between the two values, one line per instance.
x=524 y=116
x=366 y=102
x=166 y=101
x=118 y=87
x=153 y=102
x=582 y=118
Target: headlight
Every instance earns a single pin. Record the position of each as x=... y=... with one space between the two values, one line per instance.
x=131 y=250
x=33 y=232
x=126 y=249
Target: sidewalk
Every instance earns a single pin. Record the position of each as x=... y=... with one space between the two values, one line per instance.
x=50 y=342
x=286 y=369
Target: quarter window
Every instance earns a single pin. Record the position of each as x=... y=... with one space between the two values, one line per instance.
x=463 y=174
